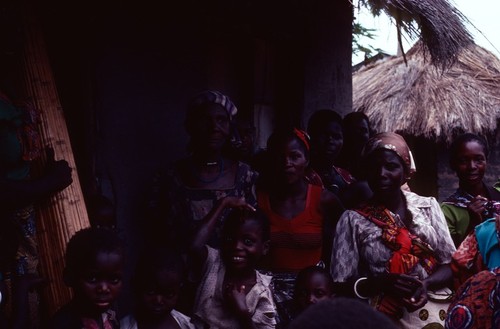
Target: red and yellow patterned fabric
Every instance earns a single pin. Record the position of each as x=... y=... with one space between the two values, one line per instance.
x=477 y=303
x=407 y=251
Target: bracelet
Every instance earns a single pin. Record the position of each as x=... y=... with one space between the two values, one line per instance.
x=356 y=288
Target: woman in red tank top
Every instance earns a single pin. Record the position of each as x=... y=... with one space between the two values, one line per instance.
x=302 y=215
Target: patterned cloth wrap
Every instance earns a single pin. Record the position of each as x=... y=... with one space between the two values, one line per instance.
x=477 y=303
x=408 y=250
x=479 y=251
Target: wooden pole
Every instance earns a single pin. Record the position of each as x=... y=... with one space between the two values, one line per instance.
x=65 y=213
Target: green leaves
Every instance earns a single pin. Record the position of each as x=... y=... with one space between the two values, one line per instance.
x=358 y=45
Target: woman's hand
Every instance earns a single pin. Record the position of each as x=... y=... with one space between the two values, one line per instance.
x=418 y=299
x=57 y=173
x=410 y=290
x=476 y=208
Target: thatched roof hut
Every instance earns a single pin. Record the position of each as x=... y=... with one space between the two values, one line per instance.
x=420 y=100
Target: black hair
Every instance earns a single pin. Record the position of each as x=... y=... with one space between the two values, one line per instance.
x=237 y=217
x=466 y=138
x=320 y=119
x=307 y=272
x=154 y=260
x=341 y=313
x=302 y=276
x=354 y=117
x=85 y=245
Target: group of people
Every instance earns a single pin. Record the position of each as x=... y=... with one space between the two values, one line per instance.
x=272 y=239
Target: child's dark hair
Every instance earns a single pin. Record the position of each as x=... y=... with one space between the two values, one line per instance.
x=309 y=271
x=154 y=260
x=354 y=117
x=85 y=245
x=466 y=138
x=320 y=119
x=237 y=216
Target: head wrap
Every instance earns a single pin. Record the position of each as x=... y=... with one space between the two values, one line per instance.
x=392 y=142
x=303 y=136
x=212 y=97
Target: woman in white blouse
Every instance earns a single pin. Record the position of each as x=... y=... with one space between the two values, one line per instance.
x=396 y=247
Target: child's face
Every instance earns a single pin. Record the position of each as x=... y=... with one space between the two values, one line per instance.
x=314 y=289
x=159 y=296
x=470 y=163
x=99 y=285
x=243 y=246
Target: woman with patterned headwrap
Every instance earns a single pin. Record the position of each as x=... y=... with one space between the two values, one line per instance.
x=193 y=185
x=302 y=215
x=396 y=247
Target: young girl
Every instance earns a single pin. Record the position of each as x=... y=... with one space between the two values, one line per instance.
x=94 y=270
x=314 y=284
x=232 y=294
x=474 y=201
x=157 y=283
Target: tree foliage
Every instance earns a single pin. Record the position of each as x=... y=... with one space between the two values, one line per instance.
x=359 y=32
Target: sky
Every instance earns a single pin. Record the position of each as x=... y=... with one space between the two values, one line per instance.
x=483 y=14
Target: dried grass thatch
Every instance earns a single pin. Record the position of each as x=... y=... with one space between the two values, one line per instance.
x=438 y=24
x=420 y=100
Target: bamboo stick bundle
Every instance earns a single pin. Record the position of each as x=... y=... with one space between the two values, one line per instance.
x=65 y=213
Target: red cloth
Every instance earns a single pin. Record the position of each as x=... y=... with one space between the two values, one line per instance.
x=295 y=243
x=466 y=260
x=407 y=251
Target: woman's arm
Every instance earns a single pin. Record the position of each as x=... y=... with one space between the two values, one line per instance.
x=397 y=285
x=345 y=255
x=15 y=194
x=440 y=278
